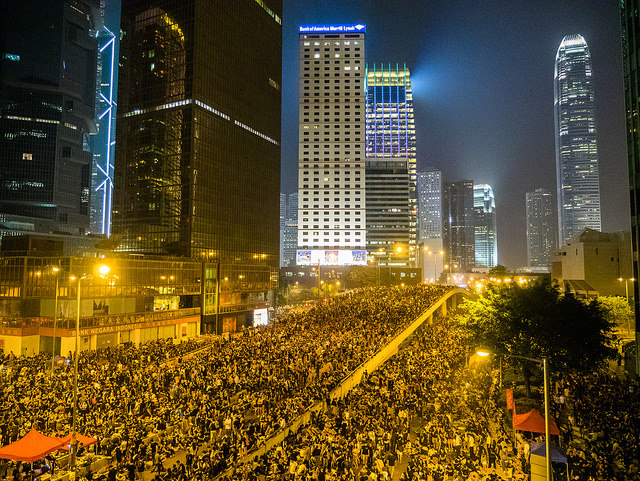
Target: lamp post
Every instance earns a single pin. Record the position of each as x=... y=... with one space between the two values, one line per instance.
x=103 y=270
x=626 y=286
x=485 y=352
x=55 y=322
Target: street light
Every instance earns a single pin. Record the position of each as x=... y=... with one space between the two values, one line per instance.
x=55 y=319
x=483 y=351
x=103 y=270
x=626 y=286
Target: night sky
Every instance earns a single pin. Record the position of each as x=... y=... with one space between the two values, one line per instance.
x=482 y=75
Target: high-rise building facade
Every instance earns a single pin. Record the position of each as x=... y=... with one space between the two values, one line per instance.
x=331 y=155
x=458 y=227
x=197 y=160
x=576 y=147
x=429 y=205
x=47 y=102
x=485 y=224
x=631 y=61
x=103 y=142
x=289 y=235
x=198 y=153
x=390 y=169
x=541 y=232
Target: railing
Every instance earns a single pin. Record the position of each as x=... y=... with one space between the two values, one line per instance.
x=353 y=378
x=99 y=321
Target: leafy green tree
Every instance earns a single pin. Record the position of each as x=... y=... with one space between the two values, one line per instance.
x=498 y=271
x=536 y=321
x=617 y=309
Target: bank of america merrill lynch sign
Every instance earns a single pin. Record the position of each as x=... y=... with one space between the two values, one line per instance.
x=359 y=28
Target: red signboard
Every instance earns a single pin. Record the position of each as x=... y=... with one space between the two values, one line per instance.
x=510 y=403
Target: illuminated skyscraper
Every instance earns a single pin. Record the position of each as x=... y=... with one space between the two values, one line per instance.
x=540 y=228
x=103 y=143
x=631 y=60
x=576 y=148
x=486 y=235
x=197 y=161
x=429 y=205
x=47 y=101
x=458 y=231
x=390 y=169
x=289 y=232
x=331 y=149
x=198 y=152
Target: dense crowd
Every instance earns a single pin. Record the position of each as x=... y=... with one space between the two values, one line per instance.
x=416 y=406
x=237 y=393
x=602 y=427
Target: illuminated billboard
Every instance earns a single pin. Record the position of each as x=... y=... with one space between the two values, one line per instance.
x=331 y=257
x=260 y=317
x=359 y=28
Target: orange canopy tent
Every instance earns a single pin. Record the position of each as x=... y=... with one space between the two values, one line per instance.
x=31 y=447
x=534 y=422
x=83 y=440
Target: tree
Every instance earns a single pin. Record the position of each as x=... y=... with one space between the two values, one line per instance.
x=536 y=321
x=617 y=309
x=498 y=271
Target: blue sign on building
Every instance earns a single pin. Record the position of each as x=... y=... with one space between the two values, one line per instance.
x=359 y=28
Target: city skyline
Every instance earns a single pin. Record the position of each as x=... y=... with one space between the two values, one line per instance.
x=473 y=118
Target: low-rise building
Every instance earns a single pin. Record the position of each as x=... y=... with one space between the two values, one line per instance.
x=594 y=263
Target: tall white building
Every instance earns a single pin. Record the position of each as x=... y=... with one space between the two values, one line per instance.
x=576 y=140
x=331 y=154
x=429 y=205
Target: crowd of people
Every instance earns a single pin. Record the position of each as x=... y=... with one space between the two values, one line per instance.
x=602 y=426
x=419 y=407
x=195 y=410
x=237 y=393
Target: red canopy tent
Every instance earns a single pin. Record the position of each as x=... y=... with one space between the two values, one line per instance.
x=534 y=422
x=31 y=447
x=83 y=440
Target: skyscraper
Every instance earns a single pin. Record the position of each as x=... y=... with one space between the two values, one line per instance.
x=47 y=103
x=390 y=169
x=103 y=142
x=631 y=60
x=458 y=231
x=290 y=232
x=485 y=224
x=197 y=161
x=576 y=148
x=541 y=237
x=429 y=205
x=198 y=152
x=331 y=168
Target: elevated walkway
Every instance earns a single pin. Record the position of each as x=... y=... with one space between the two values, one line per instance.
x=449 y=301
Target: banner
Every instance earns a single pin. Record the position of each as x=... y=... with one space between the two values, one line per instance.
x=510 y=403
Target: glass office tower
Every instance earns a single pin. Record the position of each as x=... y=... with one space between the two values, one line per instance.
x=48 y=56
x=458 y=231
x=486 y=236
x=197 y=160
x=631 y=61
x=390 y=168
x=540 y=228
x=576 y=148
x=198 y=155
